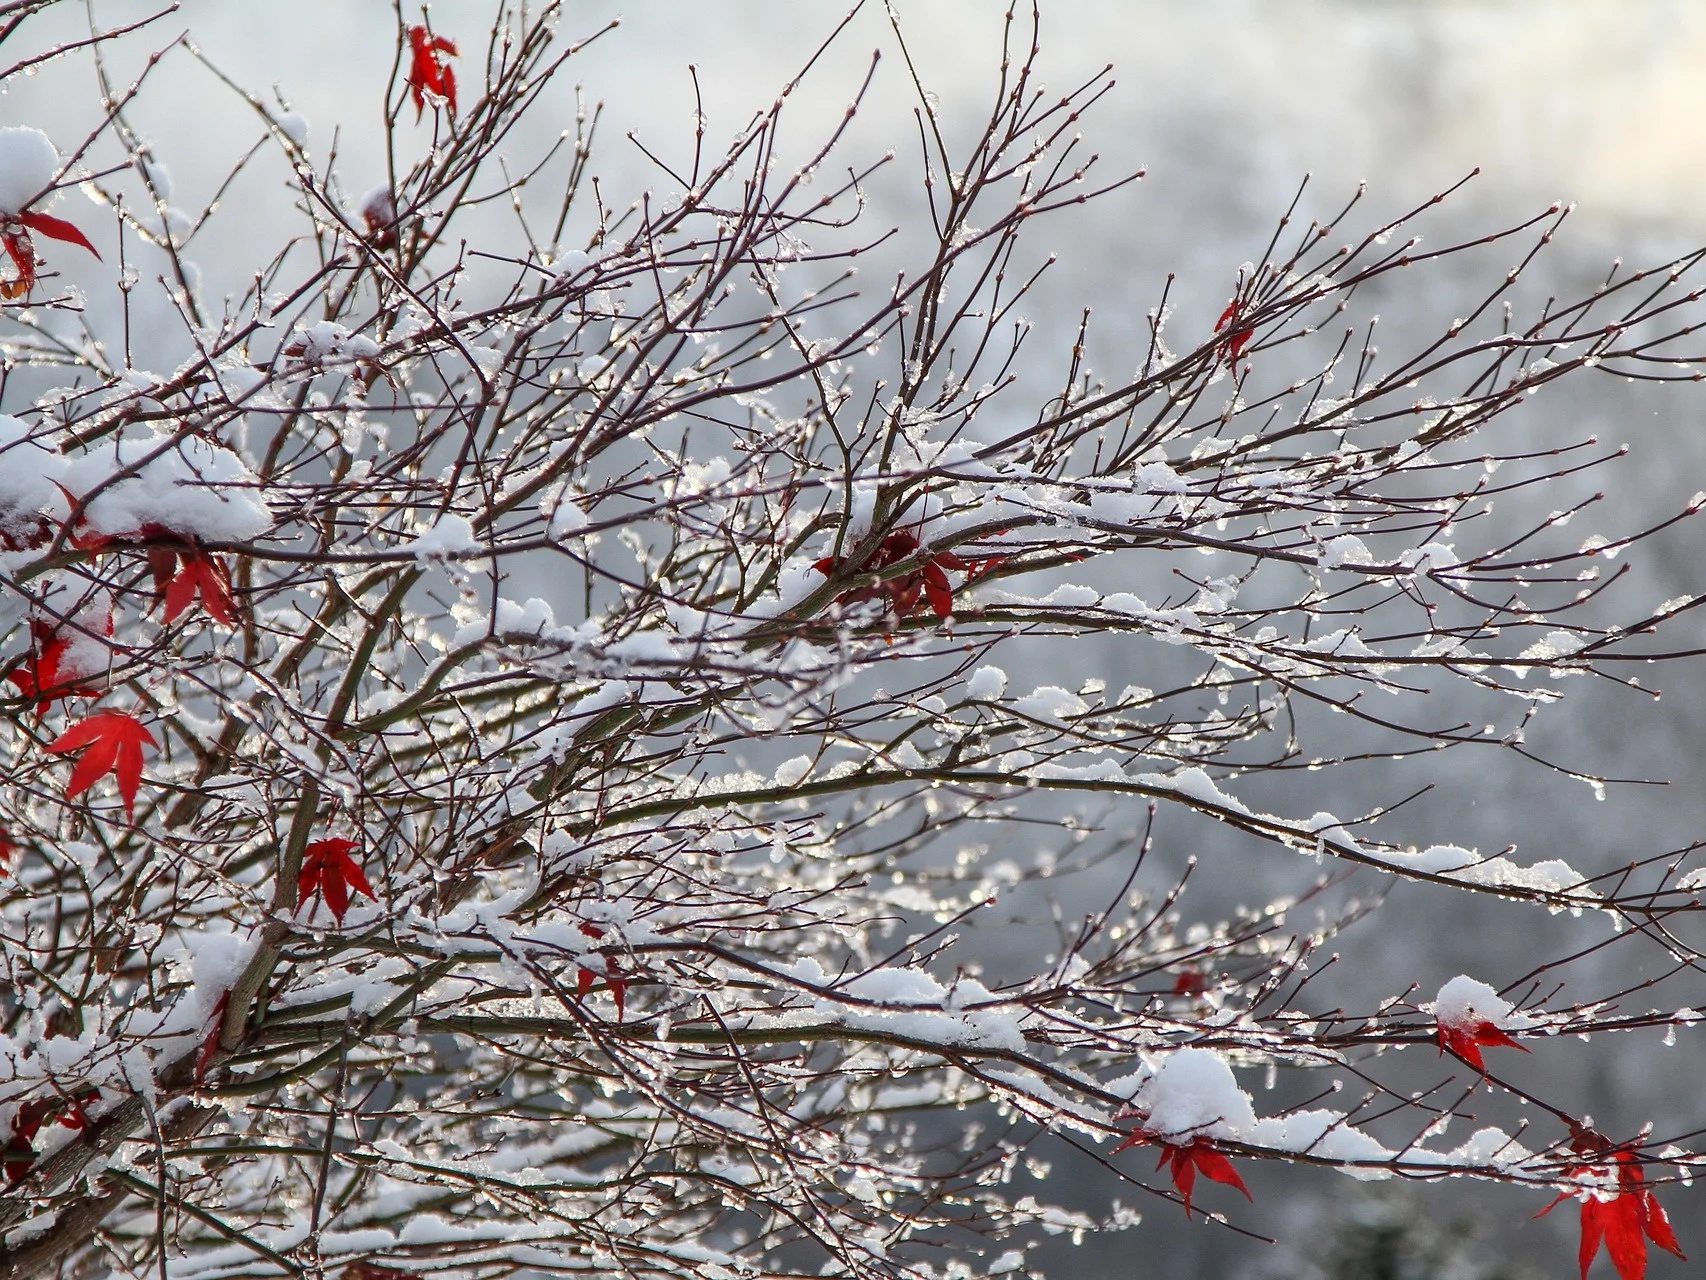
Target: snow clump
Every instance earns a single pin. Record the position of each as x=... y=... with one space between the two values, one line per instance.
x=188 y=486
x=449 y=535
x=28 y=162
x=1464 y=1002
x=1193 y=1094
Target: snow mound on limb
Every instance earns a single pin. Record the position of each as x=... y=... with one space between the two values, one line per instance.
x=28 y=162
x=185 y=485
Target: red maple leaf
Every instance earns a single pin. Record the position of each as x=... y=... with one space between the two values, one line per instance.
x=1190 y=982
x=1238 y=336
x=114 y=745
x=182 y=570
x=8 y=850
x=15 y=236
x=1466 y=1039
x=428 y=73
x=210 y=1042
x=1188 y=1159
x=40 y=677
x=189 y=574
x=1624 y=1219
x=585 y=978
x=18 y=1156
x=328 y=869
x=929 y=580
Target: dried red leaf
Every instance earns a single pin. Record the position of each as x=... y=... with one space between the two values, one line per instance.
x=210 y=1042
x=201 y=575
x=22 y=251
x=428 y=73
x=586 y=978
x=328 y=869
x=18 y=1156
x=40 y=676
x=56 y=229
x=1623 y=1221
x=1238 y=336
x=15 y=236
x=903 y=592
x=74 y=1116
x=111 y=743
x=1187 y=1160
x=1467 y=1040
x=1189 y=982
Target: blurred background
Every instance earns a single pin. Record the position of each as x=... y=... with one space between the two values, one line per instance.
x=1227 y=104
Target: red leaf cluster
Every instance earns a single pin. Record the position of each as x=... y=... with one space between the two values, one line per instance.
x=328 y=869
x=1624 y=1220
x=1189 y=1159
x=929 y=580
x=1467 y=1041
x=40 y=676
x=585 y=978
x=181 y=575
x=111 y=742
x=428 y=73
x=1237 y=336
x=19 y=1154
x=15 y=236
x=182 y=570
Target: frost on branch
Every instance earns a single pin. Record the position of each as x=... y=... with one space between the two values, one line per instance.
x=638 y=747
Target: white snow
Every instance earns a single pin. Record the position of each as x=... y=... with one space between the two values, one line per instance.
x=294 y=125
x=28 y=162
x=1050 y=702
x=1192 y=1093
x=1344 y=550
x=27 y=474
x=1465 y=1003
x=790 y=773
x=566 y=516
x=1321 y=1133
x=1433 y=860
x=449 y=535
x=572 y=263
x=1427 y=558
x=325 y=342
x=159 y=177
x=927 y=1011
x=1551 y=876
x=986 y=684
x=188 y=486
x=897 y=986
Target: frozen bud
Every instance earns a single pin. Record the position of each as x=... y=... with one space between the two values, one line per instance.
x=379 y=211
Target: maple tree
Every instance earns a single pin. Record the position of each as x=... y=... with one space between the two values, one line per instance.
x=746 y=865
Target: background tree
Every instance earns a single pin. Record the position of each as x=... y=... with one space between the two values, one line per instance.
x=651 y=923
